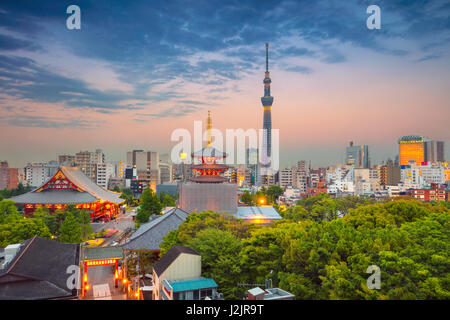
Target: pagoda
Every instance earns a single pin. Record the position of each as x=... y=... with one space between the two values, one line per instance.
x=207 y=189
x=208 y=171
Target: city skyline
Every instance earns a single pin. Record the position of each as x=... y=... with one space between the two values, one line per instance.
x=126 y=83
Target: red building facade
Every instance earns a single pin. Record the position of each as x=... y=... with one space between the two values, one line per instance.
x=436 y=192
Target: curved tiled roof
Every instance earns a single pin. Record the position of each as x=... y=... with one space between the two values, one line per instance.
x=150 y=235
x=209 y=152
x=55 y=197
x=39 y=270
x=91 y=191
x=78 y=178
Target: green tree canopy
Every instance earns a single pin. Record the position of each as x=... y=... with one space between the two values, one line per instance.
x=150 y=204
x=315 y=253
x=220 y=259
x=22 y=229
x=70 y=230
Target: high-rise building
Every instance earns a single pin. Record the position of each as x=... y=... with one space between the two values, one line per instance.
x=146 y=164
x=66 y=160
x=104 y=171
x=434 y=151
x=412 y=148
x=389 y=174
x=9 y=177
x=301 y=165
x=36 y=174
x=88 y=161
x=286 y=177
x=357 y=156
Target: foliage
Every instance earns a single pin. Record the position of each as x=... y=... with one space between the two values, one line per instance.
x=128 y=196
x=70 y=229
x=220 y=259
x=16 y=229
x=247 y=198
x=197 y=222
x=8 y=193
x=140 y=261
x=150 y=204
x=8 y=211
x=166 y=200
x=273 y=192
x=323 y=247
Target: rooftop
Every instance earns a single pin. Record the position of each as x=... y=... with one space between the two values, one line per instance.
x=263 y=213
x=83 y=190
x=170 y=257
x=38 y=270
x=192 y=284
x=150 y=235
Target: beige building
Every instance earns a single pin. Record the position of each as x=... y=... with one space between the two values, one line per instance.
x=177 y=276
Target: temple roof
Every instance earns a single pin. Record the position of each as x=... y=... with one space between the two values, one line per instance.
x=39 y=271
x=150 y=235
x=77 y=176
x=216 y=166
x=88 y=191
x=55 y=197
x=208 y=179
x=209 y=152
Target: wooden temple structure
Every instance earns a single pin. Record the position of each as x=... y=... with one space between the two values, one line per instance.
x=70 y=186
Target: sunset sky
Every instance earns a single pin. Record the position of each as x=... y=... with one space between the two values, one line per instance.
x=137 y=70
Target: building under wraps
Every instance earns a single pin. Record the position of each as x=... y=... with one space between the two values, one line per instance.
x=70 y=186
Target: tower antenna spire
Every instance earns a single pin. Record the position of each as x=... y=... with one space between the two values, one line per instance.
x=209 y=127
x=267 y=57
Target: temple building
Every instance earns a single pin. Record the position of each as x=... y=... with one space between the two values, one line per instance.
x=70 y=186
x=207 y=188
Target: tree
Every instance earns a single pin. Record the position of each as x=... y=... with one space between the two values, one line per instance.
x=315 y=253
x=261 y=255
x=22 y=229
x=273 y=192
x=150 y=204
x=166 y=200
x=247 y=198
x=70 y=229
x=84 y=218
x=140 y=262
x=128 y=196
x=8 y=211
x=50 y=220
x=220 y=259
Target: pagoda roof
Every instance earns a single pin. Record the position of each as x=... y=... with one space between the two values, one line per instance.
x=82 y=190
x=208 y=179
x=209 y=152
x=217 y=166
